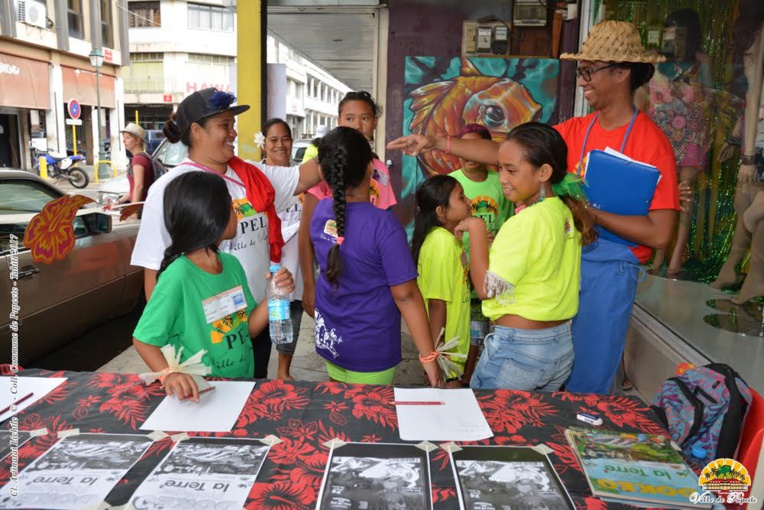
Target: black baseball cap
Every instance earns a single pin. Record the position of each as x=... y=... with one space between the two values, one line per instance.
x=205 y=103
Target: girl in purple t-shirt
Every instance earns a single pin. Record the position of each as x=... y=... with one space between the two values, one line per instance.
x=367 y=279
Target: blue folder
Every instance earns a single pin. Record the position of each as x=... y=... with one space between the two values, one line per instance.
x=619 y=186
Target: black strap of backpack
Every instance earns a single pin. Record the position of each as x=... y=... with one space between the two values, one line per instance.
x=729 y=435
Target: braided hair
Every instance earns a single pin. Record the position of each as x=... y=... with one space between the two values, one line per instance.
x=197 y=209
x=344 y=155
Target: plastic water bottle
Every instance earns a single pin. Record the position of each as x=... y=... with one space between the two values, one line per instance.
x=279 y=316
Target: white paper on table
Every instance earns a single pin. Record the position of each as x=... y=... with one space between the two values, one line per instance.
x=216 y=411
x=459 y=419
x=23 y=386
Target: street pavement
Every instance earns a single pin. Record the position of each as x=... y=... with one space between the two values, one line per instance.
x=306 y=364
x=91 y=190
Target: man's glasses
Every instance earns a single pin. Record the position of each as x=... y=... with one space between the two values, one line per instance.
x=586 y=73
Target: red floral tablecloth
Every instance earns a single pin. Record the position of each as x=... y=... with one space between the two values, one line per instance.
x=306 y=415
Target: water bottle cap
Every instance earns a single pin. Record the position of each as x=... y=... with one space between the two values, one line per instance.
x=698 y=452
x=275 y=268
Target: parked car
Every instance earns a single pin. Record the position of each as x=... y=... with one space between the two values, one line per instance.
x=62 y=300
x=154 y=137
x=170 y=154
x=298 y=149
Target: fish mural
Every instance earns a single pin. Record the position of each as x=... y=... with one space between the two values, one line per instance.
x=444 y=107
x=443 y=94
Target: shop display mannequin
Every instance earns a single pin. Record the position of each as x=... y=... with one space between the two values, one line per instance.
x=678 y=103
x=749 y=196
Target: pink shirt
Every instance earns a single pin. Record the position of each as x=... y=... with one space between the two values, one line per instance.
x=381 y=196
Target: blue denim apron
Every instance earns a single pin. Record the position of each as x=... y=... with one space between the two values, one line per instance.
x=609 y=276
x=610 y=273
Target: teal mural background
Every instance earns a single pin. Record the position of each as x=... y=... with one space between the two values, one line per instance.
x=538 y=78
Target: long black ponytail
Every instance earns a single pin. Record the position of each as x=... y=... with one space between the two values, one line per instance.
x=197 y=208
x=431 y=194
x=344 y=155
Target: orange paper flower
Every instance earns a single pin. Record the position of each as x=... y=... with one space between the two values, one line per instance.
x=129 y=210
x=50 y=234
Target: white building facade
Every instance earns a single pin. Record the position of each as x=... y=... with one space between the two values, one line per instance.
x=312 y=94
x=179 y=47
x=176 y=48
x=44 y=64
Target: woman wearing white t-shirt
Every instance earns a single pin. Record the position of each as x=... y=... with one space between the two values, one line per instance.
x=204 y=122
x=277 y=147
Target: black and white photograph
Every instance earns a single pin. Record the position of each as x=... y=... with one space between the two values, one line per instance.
x=202 y=470
x=376 y=476
x=507 y=478
x=76 y=472
x=9 y=439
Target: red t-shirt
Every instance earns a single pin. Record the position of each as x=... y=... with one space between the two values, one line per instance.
x=148 y=175
x=646 y=143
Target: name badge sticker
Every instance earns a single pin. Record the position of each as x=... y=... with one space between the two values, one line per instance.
x=224 y=304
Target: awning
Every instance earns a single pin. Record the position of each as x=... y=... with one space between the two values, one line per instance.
x=24 y=83
x=80 y=84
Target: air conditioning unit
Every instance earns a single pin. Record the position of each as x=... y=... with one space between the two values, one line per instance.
x=32 y=13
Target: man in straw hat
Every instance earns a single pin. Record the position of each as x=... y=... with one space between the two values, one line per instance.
x=613 y=64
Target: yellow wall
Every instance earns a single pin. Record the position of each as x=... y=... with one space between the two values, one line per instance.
x=249 y=87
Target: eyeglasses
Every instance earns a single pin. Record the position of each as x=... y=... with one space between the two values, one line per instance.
x=586 y=73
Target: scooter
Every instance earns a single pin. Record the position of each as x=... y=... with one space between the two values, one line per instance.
x=63 y=166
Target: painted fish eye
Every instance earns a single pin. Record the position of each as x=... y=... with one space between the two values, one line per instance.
x=494 y=116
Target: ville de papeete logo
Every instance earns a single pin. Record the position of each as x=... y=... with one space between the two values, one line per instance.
x=724 y=481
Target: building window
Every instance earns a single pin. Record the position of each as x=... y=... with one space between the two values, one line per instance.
x=107 y=32
x=210 y=17
x=144 y=14
x=145 y=73
x=74 y=12
x=210 y=59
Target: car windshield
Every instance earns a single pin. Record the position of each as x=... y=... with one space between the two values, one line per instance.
x=171 y=154
x=20 y=197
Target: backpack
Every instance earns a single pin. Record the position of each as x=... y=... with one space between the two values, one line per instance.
x=157 y=167
x=704 y=408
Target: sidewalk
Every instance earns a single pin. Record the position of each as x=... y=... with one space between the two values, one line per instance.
x=306 y=364
x=92 y=188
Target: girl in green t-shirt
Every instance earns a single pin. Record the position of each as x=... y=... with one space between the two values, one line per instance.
x=441 y=263
x=202 y=300
x=529 y=282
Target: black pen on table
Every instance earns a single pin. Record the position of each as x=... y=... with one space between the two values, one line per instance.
x=17 y=402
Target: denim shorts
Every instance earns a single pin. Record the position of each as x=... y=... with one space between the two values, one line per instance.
x=525 y=359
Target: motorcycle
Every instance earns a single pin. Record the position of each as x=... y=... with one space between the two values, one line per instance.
x=62 y=166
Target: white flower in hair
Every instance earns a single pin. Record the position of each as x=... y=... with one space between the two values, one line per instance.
x=260 y=140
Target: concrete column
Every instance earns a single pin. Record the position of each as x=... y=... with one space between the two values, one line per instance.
x=54 y=118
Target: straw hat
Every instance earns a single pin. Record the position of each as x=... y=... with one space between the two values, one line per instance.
x=614 y=41
x=135 y=130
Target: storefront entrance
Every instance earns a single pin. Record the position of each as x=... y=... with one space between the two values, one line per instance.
x=9 y=142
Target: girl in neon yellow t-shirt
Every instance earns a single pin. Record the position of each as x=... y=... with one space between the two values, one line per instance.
x=529 y=281
x=442 y=265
